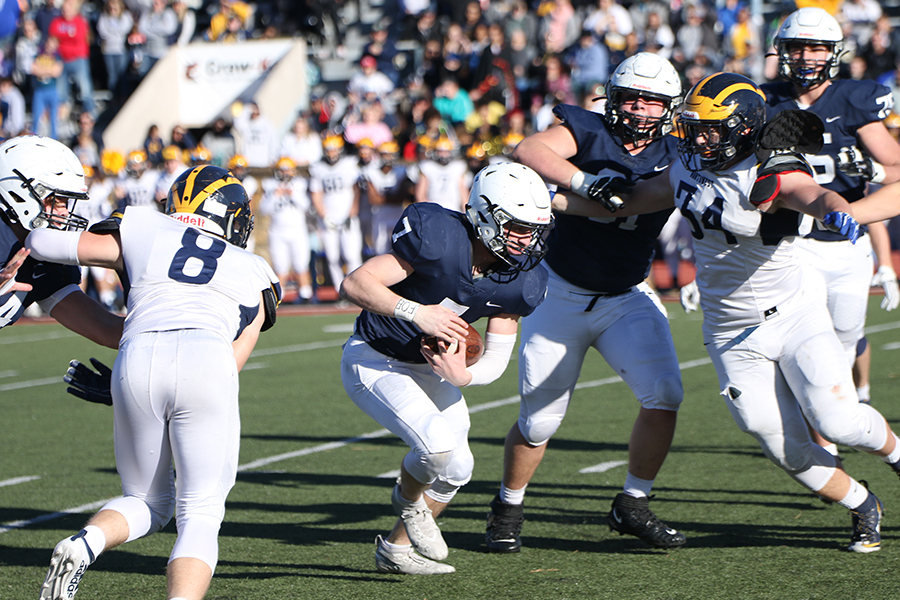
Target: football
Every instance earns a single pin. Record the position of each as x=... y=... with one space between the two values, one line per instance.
x=474 y=345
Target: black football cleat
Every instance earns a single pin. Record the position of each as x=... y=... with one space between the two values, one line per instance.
x=632 y=516
x=504 y=524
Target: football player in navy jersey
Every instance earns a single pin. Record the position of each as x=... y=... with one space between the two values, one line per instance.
x=40 y=182
x=445 y=269
x=858 y=148
x=597 y=298
x=765 y=321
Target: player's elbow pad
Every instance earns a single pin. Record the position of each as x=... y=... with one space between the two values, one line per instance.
x=497 y=350
x=53 y=245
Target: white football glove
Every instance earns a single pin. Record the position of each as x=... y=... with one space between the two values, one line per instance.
x=887 y=279
x=690 y=297
x=857 y=163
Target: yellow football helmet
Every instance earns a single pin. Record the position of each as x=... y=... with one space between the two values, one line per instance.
x=112 y=162
x=333 y=147
x=212 y=199
x=722 y=120
x=238 y=162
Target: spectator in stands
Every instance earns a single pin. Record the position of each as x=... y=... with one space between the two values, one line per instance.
x=28 y=46
x=472 y=18
x=695 y=33
x=861 y=16
x=556 y=81
x=524 y=59
x=72 y=31
x=230 y=23
x=370 y=126
x=85 y=145
x=44 y=15
x=258 y=142
x=113 y=27
x=220 y=142
x=45 y=70
x=14 y=119
x=727 y=16
x=559 y=28
x=589 y=62
x=520 y=18
x=382 y=48
x=609 y=18
x=10 y=10
x=743 y=42
x=182 y=138
x=153 y=146
x=156 y=26
x=658 y=36
x=172 y=167
x=187 y=24
x=494 y=78
x=369 y=82
x=452 y=102
x=301 y=144
x=457 y=54
x=880 y=55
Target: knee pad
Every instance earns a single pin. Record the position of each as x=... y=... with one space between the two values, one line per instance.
x=860 y=427
x=819 y=472
x=425 y=468
x=668 y=393
x=142 y=518
x=198 y=537
x=537 y=430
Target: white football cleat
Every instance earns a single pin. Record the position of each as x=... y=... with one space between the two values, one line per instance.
x=423 y=532
x=70 y=560
x=406 y=562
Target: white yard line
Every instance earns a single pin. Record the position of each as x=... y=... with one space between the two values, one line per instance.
x=17 y=480
x=321 y=447
x=604 y=466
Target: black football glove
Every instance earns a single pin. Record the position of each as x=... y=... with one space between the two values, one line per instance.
x=855 y=162
x=605 y=190
x=88 y=385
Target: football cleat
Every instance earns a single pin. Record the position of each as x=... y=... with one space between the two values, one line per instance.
x=70 y=560
x=406 y=562
x=423 y=532
x=633 y=516
x=866 y=535
x=504 y=524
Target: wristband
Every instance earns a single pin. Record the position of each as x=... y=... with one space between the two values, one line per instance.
x=406 y=309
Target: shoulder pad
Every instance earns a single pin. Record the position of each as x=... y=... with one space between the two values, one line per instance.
x=271 y=300
x=767 y=184
x=108 y=225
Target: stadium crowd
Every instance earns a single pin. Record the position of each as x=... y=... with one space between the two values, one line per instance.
x=438 y=92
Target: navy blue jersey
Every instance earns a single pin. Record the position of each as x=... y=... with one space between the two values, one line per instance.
x=45 y=278
x=844 y=107
x=437 y=243
x=607 y=254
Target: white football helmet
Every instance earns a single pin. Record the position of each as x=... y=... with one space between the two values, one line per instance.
x=511 y=194
x=809 y=25
x=33 y=171
x=648 y=75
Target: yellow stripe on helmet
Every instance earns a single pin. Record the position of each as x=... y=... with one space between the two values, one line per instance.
x=188 y=204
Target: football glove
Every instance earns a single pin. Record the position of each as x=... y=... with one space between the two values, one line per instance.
x=601 y=189
x=842 y=223
x=690 y=297
x=87 y=384
x=887 y=279
x=858 y=163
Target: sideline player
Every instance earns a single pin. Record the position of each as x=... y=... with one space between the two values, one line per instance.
x=334 y=192
x=446 y=269
x=809 y=45
x=597 y=298
x=195 y=309
x=40 y=182
x=765 y=320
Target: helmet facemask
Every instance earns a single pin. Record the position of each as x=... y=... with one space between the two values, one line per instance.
x=806 y=72
x=636 y=128
x=726 y=142
x=47 y=199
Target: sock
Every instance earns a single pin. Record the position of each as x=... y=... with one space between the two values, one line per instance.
x=508 y=496
x=395 y=547
x=867 y=504
x=856 y=496
x=893 y=458
x=863 y=393
x=637 y=487
x=306 y=292
x=95 y=539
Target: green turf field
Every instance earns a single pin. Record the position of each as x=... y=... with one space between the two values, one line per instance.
x=312 y=496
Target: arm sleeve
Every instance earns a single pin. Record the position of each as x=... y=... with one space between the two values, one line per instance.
x=52 y=245
x=497 y=350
